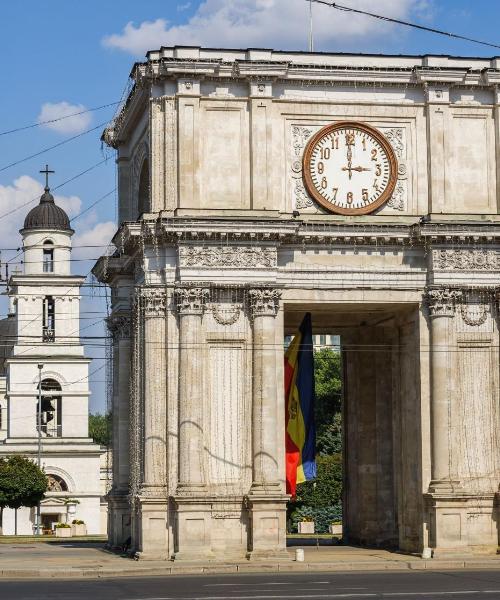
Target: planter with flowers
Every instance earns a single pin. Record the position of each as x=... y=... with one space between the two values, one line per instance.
x=78 y=527
x=63 y=530
x=306 y=525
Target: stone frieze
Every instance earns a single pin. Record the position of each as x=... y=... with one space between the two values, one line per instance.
x=234 y=257
x=466 y=260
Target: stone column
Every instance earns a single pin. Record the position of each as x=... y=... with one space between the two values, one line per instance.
x=264 y=305
x=190 y=305
x=193 y=506
x=152 y=498
x=118 y=501
x=266 y=500
x=441 y=303
x=153 y=303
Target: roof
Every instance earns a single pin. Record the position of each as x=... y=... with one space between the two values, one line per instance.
x=47 y=215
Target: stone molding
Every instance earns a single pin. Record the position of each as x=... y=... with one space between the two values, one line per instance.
x=153 y=302
x=236 y=257
x=191 y=300
x=466 y=260
x=442 y=301
x=264 y=302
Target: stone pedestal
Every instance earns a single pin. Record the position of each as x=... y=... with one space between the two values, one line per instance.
x=152 y=528
x=119 y=518
x=267 y=526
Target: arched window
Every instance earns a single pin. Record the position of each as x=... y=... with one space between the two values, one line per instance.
x=48 y=257
x=143 y=204
x=56 y=484
x=50 y=410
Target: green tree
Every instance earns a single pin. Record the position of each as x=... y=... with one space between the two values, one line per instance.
x=328 y=383
x=100 y=428
x=22 y=483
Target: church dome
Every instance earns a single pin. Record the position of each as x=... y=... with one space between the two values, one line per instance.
x=47 y=215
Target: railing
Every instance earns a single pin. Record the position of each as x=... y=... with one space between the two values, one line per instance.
x=52 y=430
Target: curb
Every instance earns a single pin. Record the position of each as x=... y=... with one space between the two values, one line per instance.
x=212 y=569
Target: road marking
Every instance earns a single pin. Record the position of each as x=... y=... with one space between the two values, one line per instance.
x=328 y=596
x=256 y=584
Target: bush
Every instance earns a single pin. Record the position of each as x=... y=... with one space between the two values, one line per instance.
x=322 y=516
x=62 y=526
x=77 y=522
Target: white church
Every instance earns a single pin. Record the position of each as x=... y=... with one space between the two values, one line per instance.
x=41 y=356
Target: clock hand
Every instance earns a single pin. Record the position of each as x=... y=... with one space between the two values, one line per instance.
x=349 y=162
x=360 y=169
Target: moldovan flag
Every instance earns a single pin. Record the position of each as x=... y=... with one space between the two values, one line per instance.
x=300 y=429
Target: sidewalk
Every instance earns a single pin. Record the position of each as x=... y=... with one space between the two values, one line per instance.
x=90 y=560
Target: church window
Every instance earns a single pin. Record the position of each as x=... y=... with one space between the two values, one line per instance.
x=50 y=417
x=143 y=200
x=49 y=317
x=48 y=257
x=56 y=484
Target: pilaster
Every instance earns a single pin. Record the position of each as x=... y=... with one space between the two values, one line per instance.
x=266 y=500
x=193 y=509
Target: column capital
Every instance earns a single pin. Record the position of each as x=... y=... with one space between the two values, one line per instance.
x=119 y=326
x=191 y=300
x=264 y=302
x=152 y=301
x=442 y=301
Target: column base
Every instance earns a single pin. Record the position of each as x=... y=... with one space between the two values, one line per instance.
x=119 y=521
x=461 y=523
x=267 y=525
x=445 y=486
x=151 y=531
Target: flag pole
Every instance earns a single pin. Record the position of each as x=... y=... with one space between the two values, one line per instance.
x=311 y=37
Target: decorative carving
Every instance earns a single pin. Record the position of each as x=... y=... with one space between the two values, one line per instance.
x=191 y=300
x=397 y=201
x=300 y=136
x=56 y=484
x=395 y=135
x=264 y=302
x=466 y=260
x=474 y=314
x=153 y=302
x=119 y=326
x=442 y=301
x=236 y=257
x=226 y=314
x=402 y=170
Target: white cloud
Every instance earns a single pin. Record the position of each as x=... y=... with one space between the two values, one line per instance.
x=279 y=24
x=181 y=7
x=75 y=124
x=95 y=240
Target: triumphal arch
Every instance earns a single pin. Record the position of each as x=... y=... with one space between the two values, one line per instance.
x=255 y=186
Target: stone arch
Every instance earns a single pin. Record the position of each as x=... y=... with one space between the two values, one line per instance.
x=58 y=473
x=143 y=195
x=140 y=180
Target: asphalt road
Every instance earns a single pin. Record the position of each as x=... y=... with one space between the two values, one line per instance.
x=463 y=585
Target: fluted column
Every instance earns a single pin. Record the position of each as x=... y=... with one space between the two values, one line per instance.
x=190 y=305
x=153 y=305
x=441 y=303
x=264 y=304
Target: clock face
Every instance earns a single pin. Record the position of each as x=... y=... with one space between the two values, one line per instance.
x=349 y=168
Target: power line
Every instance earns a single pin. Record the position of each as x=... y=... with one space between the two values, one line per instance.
x=81 y=112
x=74 y=137
x=405 y=23
x=56 y=187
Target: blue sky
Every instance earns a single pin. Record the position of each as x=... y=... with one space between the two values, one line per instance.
x=60 y=55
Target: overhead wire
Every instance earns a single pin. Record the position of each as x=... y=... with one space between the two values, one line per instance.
x=350 y=9
x=49 y=121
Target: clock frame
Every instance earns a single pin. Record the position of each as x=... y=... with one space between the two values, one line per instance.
x=380 y=139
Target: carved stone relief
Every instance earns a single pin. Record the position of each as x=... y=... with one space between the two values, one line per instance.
x=191 y=300
x=235 y=257
x=442 y=301
x=264 y=302
x=397 y=138
x=226 y=314
x=300 y=137
x=466 y=260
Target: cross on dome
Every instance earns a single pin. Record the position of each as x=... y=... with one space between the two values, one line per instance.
x=47 y=171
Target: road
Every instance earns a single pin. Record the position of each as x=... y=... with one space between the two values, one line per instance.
x=462 y=585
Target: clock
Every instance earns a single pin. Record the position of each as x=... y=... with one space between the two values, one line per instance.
x=349 y=168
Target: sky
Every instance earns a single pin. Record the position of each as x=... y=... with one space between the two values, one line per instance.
x=61 y=57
